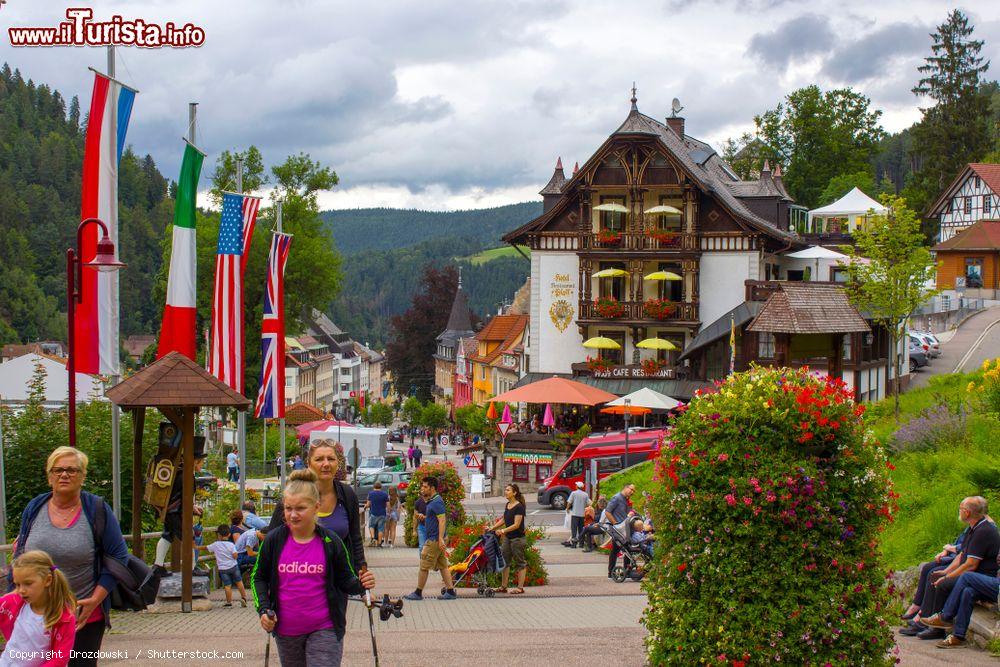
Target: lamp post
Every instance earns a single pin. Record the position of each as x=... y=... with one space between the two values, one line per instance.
x=628 y=403
x=104 y=260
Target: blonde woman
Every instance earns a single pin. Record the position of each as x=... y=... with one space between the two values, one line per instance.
x=392 y=516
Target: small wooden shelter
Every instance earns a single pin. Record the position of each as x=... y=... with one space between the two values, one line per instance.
x=177 y=387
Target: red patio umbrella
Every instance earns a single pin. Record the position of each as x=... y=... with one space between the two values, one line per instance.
x=556 y=390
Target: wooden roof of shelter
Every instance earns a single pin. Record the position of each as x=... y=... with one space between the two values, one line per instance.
x=982 y=236
x=175 y=381
x=809 y=308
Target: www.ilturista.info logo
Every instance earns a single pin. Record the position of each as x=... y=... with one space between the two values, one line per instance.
x=295 y=567
x=81 y=30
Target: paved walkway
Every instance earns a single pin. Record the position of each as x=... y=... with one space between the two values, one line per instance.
x=977 y=339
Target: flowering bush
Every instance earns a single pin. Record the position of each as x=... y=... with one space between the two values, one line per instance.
x=934 y=426
x=609 y=237
x=460 y=543
x=598 y=364
x=651 y=367
x=608 y=306
x=768 y=512
x=659 y=309
x=451 y=490
x=665 y=239
x=988 y=387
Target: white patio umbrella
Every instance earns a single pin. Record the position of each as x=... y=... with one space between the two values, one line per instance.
x=663 y=208
x=612 y=207
x=647 y=398
x=817 y=252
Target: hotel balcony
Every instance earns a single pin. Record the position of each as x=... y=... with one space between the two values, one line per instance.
x=635 y=312
x=641 y=241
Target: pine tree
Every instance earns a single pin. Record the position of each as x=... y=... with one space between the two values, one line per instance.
x=955 y=131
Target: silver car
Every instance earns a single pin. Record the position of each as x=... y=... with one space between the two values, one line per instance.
x=388 y=478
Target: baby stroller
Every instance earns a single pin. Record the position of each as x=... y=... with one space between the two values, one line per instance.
x=484 y=557
x=634 y=562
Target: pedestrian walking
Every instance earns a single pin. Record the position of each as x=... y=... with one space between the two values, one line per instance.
x=513 y=543
x=434 y=554
x=65 y=523
x=229 y=569
x=576 y=507
x=377 y=514
x=302 y=575
x=392 y=519
x=233 y=465
x=418 y=454
x=37 y=620
x=409 y=455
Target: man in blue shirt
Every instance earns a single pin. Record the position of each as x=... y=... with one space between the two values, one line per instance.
x=376 y=506
x=615 y=514
x=233 y=464
x=247 y=546
x=434 y=555
x=250 y=518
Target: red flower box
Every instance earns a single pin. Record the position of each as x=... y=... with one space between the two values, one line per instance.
x=660 y=309
x=608 y=307
x=597 y=364
x=609 y=237
x=651 y=367
x=665 y=239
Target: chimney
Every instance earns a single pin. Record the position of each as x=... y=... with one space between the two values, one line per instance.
x=676 y=123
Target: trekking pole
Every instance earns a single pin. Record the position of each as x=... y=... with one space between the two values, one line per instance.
x=267 y=649
x=371 y=624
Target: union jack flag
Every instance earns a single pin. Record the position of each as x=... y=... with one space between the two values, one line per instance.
x=271 y=396
x=239 y=215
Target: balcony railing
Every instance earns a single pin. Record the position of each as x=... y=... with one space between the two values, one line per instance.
x=827 y=238
x=636 y=311
x=642 y=241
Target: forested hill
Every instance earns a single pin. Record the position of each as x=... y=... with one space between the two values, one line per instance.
x=355 y=230
x=41 y=156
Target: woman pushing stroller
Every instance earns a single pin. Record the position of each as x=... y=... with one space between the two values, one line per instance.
x=513 y=543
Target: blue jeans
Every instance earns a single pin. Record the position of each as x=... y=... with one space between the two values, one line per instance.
x=421 y=535
x=971 y=586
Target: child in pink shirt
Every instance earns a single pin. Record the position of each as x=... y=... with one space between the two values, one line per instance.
x=37 y=619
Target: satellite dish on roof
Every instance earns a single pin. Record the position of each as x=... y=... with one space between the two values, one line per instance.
x=675 y=106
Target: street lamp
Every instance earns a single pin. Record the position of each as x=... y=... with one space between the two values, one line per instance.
x=628 y=403
x=104 y=260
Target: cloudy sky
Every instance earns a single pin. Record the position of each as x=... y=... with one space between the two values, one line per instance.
x=447 y=104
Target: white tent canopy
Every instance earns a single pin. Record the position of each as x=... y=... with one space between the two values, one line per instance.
x=816 y=252
x=854 y=202
x=16 y=374
x=647 y=398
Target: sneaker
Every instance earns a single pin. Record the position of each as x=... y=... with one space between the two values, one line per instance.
x=228 y=604
x=951 y=641
x=448 y=596
x=413 y=596
x=243 y=603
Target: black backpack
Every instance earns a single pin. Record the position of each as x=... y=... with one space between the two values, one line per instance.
x=138 y=584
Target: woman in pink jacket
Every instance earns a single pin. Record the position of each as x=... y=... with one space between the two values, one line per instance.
x=37 y=619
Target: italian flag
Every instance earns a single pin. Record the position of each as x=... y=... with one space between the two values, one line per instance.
x=177 y=332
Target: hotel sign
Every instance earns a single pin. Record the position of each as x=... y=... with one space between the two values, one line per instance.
x=527 y=457
x=632 y=373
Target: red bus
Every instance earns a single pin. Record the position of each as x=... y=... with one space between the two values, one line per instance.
x=609 y=451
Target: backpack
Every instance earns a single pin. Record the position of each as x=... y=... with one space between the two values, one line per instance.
x=138 y=584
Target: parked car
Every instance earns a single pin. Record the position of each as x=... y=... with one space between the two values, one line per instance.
x=373 y=464
x=609 y=452
x=396 y=436
x=400 y=480
x=931 y=345
x=918 y=358
x=918 y=344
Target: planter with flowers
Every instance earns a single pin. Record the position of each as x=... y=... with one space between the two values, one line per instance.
x=599 y=364
x=460 y=543
x=650 y=367
x=452 y=493
x=660 y=309
x=609 y=307
x=665 y=239
x=609 y=237
x=769 y=504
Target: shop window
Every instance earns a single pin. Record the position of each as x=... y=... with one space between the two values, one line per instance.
x=542 y=471
x=520 y=472
x=765 y=345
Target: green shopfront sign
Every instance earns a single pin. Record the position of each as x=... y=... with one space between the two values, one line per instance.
x=527 y=457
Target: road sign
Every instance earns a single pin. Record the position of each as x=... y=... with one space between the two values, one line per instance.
x=471 y=461
x=354 y=394
x=504 y=428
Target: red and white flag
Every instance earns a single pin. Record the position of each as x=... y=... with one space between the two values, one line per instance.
x=95 y=326
x=227 y=359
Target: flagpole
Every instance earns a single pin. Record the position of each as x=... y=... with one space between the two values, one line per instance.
x=3 y=481
x=116 y=414
x=281 y=422
x=241 y=416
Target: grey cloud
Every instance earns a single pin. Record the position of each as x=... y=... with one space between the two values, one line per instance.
x=869 y=57
x=802 y=36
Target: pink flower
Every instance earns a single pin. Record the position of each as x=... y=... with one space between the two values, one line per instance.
x=723 y=457
x=747 y=500
x=731 y=499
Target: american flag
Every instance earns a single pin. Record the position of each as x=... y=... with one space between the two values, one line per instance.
x=271 y=396
x=239 y=215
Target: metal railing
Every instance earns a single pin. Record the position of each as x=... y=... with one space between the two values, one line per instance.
x=636 y=310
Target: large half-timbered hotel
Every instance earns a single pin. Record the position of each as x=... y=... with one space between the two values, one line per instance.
x=653 y=200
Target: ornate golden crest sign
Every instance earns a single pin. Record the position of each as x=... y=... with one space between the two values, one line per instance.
x=561 y=313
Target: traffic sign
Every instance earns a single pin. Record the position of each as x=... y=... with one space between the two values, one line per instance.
x=472 y=461
x=504 y=428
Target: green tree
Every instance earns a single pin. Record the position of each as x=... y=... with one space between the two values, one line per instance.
x=224 y=176
x=472 y=419
x=434 y=416
x=892 y=281
x=746 y=155
x=818 y=135
x=844 y=183
x=955 y=130
x=377 y=414
x=411 y=410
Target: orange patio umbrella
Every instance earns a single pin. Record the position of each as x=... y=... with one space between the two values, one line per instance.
x=556 y=390
x=491 y=412
x=620 y=410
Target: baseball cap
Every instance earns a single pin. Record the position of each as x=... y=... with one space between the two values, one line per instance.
x=579 y=485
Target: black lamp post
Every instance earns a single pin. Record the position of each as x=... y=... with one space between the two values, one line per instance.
x=104 y=260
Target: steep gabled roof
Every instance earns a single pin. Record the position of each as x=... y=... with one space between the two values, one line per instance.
x=809 y=308
x=987 y=171
x=984 y=235
x=704 y=166
x=175 y=381
x=558 y=180
x=459 y=321
x=503 y=330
